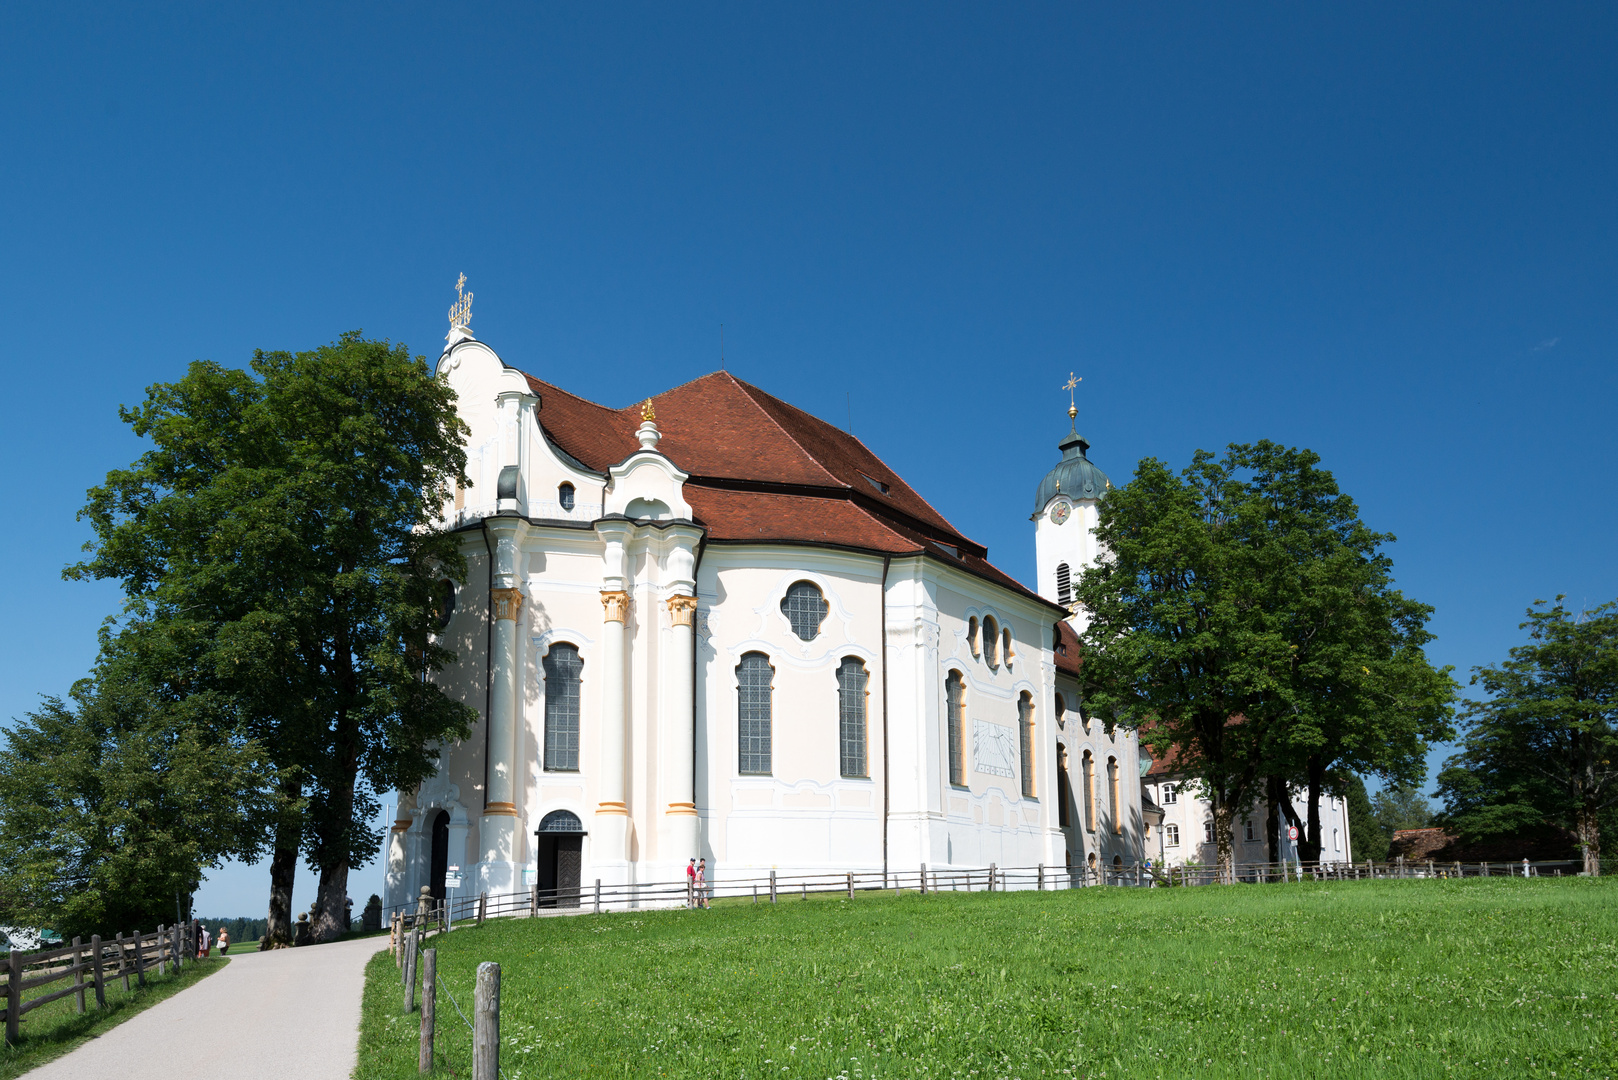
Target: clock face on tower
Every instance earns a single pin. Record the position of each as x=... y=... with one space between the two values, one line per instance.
x=1061 y=510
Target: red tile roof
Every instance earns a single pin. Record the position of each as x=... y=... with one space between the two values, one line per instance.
x=763 y=470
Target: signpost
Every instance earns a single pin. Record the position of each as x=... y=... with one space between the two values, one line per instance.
x=452 y=881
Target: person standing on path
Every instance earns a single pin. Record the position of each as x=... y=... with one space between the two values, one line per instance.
x=691 y=883
x=204 y=946
x=224 y=941
x=702 y=883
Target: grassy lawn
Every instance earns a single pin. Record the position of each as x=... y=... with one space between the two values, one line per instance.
x=1356 y=979
x=52 y=1030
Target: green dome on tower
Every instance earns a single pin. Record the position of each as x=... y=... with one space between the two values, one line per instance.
x=1074 y=476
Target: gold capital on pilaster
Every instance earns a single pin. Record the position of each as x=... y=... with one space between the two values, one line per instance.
x=507 y=603
x=616 y=603
x=682 y=610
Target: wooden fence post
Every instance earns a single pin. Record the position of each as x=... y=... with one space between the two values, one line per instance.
x=13 y=995
x=533 y=901
x=78 y=974
x=95 y=968
x=772 y=886
x=123 y=966
x=160 y=950
x=140 y=959
x=483 y=906
x=410 y=973
x=806 y=889
x=851 y=884
x=924 y=879
x=598 y=896
x=1041 y=886
x=174 y=952
x=429 y=1008
x=486 y=1023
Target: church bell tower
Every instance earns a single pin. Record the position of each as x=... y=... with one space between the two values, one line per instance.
x=1065 y=515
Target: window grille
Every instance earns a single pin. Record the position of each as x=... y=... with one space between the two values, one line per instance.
x=1112 y=777
x=991 y=638
x=851 y=681
x=1064 y=584
x=955 y=695
x=562 y=680
x=1025 y=721
x=1089 y=791
x=1172 y=833
x=805 y=607
x=564 y=495
x=753 y=676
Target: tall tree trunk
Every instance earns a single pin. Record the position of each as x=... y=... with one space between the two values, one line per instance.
x=330 y=901
x=283 y=872
x=1589 y=829
x=1309 y=841
x=1224 y=815
x=1274 y=791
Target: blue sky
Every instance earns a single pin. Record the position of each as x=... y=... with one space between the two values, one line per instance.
x=1386 y=234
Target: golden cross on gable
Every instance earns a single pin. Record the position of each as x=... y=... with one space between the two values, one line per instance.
x=1072 y=382
x=460 y=312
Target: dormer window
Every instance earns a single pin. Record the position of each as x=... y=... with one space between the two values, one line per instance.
x=564 y=495
x=880 y=487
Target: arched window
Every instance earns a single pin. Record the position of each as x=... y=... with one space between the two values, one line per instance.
x=1062 y=789
x=1117 y=862
x=564 y=495
x=563 y=821
x=1005 y=646
x=1336 y=840
x=972 y=634
x=753 y=692
x=955 y=701
x=851 y=695
x=1064 y=584
x=1089 y=763
x=1061 y=710
x=563 y=670
x=991 y=637
x=1171 y=794
x=1025 y=724
x=804 y=606
x=1113 y=782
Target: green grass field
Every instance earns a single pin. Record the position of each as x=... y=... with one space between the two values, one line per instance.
x=52 y=1030
x=1357 y=979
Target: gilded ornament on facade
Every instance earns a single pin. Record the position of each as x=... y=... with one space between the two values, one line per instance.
x=682 y=610
x=460 y=312
x=647 y=412
x=507 y=603
x=616 y=604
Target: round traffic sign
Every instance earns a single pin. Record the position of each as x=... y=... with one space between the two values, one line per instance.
x=1292 y=832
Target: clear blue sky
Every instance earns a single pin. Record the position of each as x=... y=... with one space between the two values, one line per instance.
x=1383 y=233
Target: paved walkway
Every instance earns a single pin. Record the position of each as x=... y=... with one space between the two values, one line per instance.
x=290 y=1014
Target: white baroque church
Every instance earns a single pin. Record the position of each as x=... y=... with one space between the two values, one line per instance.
x=710 y=624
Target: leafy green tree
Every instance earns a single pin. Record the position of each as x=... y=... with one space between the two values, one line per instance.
x=115 y=802
x=1397 y=808
x=1365 y=836
x=1542 y=748
x=294 y=511
x=1245 y=617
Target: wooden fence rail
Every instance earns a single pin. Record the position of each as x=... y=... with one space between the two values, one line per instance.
x=769 y=886
x=100 y=960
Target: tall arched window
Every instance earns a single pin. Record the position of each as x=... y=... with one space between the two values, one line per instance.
x=955 y=701
x=564 y=495
x=804 y=606
x=1061 y=709
x=563 y=670
x=1063 y=788
x=851 y=681
x=1005 y=646
x=991 y=638
x=1112 y=783
x=1089 y=763
x=753 y=693
x=1025 y=724
x=1064 y=584
x=972 y=634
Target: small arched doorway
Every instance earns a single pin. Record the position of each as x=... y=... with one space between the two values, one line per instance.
x=559 y=853
x=440 y=853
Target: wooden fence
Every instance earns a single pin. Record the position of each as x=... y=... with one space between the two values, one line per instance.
x=90 y=966
x=772 y=887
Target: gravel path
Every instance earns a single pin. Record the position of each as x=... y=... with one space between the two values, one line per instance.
x=290 y=1014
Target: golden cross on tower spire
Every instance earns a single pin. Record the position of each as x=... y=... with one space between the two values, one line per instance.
x=460 y=312
x=1072 y=383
